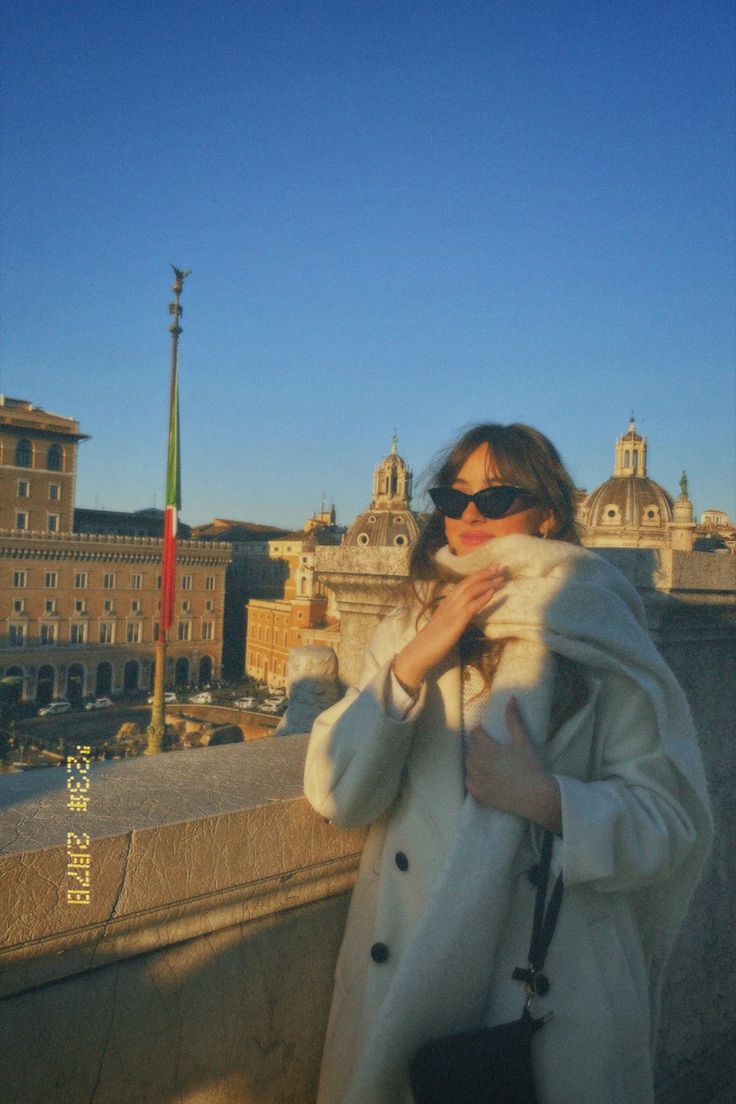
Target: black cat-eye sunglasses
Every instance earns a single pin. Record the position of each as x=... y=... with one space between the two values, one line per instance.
x=491 y=502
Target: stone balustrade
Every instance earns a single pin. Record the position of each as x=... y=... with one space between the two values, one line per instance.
x=111 y=538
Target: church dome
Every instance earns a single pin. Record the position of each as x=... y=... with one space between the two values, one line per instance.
x=629 y=508
x=630 y=502
x=388 y=521
x=383 y=527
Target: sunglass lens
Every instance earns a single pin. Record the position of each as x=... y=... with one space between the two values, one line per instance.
x=448 y=501
x=495 y=501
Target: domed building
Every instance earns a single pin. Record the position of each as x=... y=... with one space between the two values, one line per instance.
x=388 y=521
x=630 y=510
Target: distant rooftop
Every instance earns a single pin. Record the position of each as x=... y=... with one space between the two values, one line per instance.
x=227 y=529
x=20 y=412
x=140 y=523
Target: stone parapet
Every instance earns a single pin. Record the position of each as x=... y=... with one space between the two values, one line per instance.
x=179 y=844
x=693 y=576
x=216 y=902
x=111 y=538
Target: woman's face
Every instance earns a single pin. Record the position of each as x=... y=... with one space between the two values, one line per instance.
x=466 y=533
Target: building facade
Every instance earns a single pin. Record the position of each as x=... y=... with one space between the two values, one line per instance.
x=715 y=532
x=277 y=626
x=303 y=614
x=250 y=574
x=79 y=610
x=79 y=614
x=38 y=468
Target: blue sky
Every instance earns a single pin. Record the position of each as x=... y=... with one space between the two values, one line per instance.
x=409 y=215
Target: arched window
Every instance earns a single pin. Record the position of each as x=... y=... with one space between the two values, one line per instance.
x=23 y=454
x=205 y=670
x=54 y=458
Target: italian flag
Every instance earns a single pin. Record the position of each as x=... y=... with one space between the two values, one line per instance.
x=173 y=505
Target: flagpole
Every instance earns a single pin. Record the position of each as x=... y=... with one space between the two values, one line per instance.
x=157 y=727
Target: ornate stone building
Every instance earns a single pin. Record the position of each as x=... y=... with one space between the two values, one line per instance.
x=630 y=510
x=388 y=521
x=79 y=611
x=715 y=532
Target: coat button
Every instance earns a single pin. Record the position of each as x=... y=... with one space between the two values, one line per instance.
x=401 y=860
x=379 y=952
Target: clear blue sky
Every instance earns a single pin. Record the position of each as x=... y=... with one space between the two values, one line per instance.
x=408 y=215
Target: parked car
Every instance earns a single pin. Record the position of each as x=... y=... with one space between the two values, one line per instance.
x=275 y=707
x=246 y=703
x=98 y=703
x=55 y=707
x=203 y=698
x=169 y=698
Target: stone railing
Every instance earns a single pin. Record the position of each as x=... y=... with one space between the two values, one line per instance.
x=173 y=936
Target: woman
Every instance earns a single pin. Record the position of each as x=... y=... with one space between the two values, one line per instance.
x=516 y=691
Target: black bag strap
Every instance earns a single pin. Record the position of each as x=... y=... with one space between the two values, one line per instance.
x=543 y=926
x=544 y=921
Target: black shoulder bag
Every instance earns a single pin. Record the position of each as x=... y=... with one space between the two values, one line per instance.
x=493 y=1065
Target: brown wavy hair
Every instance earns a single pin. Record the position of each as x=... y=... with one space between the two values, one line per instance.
x=523 y=457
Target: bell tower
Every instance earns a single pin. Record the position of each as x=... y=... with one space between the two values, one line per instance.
x=388 y=520
x=392 y=481
x=631 y=453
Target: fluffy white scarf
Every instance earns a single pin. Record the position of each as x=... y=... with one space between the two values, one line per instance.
x=558 y=599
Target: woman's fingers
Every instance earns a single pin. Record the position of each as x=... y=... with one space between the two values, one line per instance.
x=465 y=600
x=478 y=578
x=446 y=625
x=474 y=587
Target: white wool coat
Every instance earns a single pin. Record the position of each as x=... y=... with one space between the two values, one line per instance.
x=442 y=908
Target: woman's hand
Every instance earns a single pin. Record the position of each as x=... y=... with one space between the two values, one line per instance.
x=511 y=776
x=445 y=627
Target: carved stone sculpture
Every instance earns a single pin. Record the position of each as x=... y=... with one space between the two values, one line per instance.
x=311 y=682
